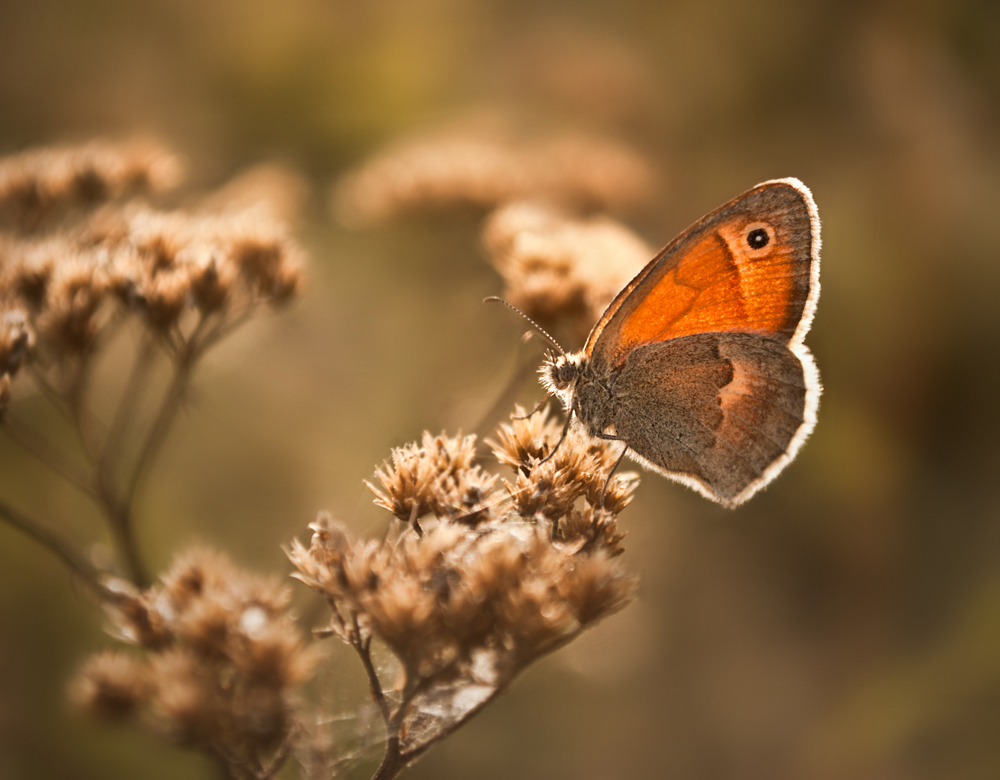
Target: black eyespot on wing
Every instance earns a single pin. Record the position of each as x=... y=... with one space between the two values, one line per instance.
x=758 y=238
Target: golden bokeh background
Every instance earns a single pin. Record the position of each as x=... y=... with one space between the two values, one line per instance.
x=845 y=623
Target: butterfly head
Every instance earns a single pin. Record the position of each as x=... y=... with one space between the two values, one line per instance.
x=560 y=373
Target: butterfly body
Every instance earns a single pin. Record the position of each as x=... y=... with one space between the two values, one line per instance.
x=698 y=365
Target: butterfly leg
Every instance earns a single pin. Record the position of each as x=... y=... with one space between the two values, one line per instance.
x=537 y=408
x=562 y=438
x=604 y=490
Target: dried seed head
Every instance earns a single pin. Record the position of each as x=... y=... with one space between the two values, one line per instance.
x=487 y=168
x=60 y=292
x=168 y=262
x=16 y=340
x=111 y=685
x=588 y=590
x=184 y=696
x=435 y=477
x=70 y=317
x=439 y=598
x=36 y=182
x=465 y=607
x=525 y=438
x=138 y=619
x=579 y=468
x=65 y=290
x=27 y=267
x=560 y=269
x=275 y=192
x=224 y=657
x=267 y=262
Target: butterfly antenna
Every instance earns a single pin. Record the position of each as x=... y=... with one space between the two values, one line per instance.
x=533 y=324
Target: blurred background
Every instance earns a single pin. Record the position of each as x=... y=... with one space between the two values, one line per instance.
x=844 y=623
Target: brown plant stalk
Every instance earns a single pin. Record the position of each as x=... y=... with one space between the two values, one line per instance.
x=82 y=260
x=478 y=575
x=478 y=578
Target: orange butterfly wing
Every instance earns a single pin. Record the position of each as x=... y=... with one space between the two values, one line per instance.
x=715 y=277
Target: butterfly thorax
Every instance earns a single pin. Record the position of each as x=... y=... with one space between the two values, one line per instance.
x=581 y=390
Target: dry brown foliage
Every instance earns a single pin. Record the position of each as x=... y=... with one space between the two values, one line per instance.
x=474 y=583
x=478 y=574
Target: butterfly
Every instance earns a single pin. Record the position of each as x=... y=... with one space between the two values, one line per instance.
x=698 y=366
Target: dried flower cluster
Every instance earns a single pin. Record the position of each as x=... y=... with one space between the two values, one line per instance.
x=216 y=662
x=184 y=276
x=485 y=170
x=484 y=575
x=562 y=265
x=560 y=268
x=16 y=339
x=66 y=288
x=81 y=255
x=438 y=476
x=478 y=575
x=276 y=193
x=476 y=582
x=38 y=182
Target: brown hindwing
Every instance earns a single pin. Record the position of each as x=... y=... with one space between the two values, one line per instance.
x=717 y=411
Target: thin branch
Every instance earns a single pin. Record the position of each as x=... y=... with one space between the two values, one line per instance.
x=203 y=336
x=391 y=764
x=76 y=394
x=120 y=522
x=55 y=463
x=50 y=393
x=407 y=757
x=280 y=756
x=336 y=615
x=396 y=759
x=134 y=386
x=75 y=417
x=363 y=648
x=156 y=437
x=119 y=503
x=76 y=563
x=223 y=763
x=224 y=327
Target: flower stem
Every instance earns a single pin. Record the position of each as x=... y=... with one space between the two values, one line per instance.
x=79 y=565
